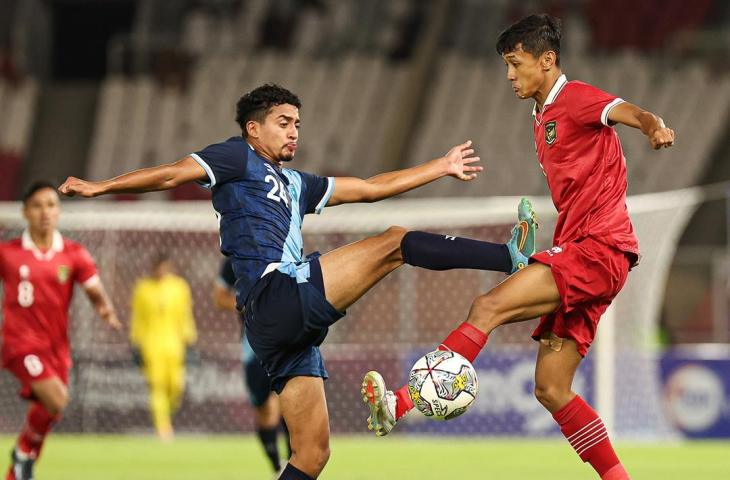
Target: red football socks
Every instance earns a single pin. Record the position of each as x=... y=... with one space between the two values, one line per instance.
x=37 y=425
x=467 y=340
x=587 y=434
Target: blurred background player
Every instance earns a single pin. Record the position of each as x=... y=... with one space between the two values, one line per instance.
x=571 y=285
x=267 y=416
x=161 y=331
x=39 y=271
x=290 y=300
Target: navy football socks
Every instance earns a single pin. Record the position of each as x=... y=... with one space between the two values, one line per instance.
x=445 y=252
x=293 y=473
x=268 y=440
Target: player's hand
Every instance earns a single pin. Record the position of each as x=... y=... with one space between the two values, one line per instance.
x=112 y=320
x=75 y=186
x=661 y=136
x=458 y=162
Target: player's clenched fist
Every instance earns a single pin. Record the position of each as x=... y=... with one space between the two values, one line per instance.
x=75 y=186
x=661 y=137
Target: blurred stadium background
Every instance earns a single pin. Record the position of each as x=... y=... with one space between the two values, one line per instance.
x=95 y=88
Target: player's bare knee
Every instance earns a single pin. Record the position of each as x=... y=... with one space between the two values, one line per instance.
x=55 y=404
x=322 y=456
x=550 y=396
x=485 y=312
x=314 y=456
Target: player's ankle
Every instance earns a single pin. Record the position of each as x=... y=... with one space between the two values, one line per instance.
x=403 y=402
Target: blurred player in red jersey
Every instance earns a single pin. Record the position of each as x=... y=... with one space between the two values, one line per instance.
x=39 y=271
x=572 y=284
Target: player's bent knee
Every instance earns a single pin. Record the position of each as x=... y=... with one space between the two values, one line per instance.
x=55 y=404
x=322 y=456
x=485 y=312
x=550 y=396
x=314 y=456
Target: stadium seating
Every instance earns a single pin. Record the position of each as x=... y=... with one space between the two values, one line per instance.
x=17 y=104
x=351 y=91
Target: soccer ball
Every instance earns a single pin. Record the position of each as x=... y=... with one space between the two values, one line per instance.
x=442 y=384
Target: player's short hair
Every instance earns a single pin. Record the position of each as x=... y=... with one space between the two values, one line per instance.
x=537 y=34
x=255 y=104
x=36 y=186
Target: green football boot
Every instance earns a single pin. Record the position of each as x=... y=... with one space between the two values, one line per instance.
x=522 y=244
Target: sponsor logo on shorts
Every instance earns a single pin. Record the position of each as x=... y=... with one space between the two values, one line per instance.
x=33 y=365
x=554 y=251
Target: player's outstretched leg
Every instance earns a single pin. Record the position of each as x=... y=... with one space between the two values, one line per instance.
x=581 y=425
x=446 y=252
x=529 y=293
x=350 y=271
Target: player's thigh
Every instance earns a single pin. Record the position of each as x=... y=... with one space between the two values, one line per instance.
x=304 y=408
x=555 y=370
x=527 y=294
x=350 y=271
x=52 y=393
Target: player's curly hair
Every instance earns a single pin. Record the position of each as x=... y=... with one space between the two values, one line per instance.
x=537 y=34
x=255 y=104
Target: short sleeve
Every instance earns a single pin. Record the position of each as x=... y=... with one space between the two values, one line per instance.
x=85 y=268
x=316 y=192
x=590 y=106
x=223 y=162
x=226 y=275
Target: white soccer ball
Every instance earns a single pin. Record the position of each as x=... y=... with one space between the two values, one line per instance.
x=443 y=384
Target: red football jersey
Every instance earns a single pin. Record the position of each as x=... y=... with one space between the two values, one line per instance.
x=583 y=161
x=38 y=287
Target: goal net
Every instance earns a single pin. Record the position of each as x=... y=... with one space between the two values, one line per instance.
x=404 y=316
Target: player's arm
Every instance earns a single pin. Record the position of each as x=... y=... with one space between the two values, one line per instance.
x=223 y=298
x=456 y=163
x=162 y=177
x=102 y=304
x=650 y=124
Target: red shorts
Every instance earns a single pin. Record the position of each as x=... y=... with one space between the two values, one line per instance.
x=589 y=274
x=33 y=367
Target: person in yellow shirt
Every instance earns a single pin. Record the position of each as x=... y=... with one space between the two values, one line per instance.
x=162 y=328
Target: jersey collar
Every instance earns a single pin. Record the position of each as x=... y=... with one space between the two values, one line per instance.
x=56 y=245
x=559 y=84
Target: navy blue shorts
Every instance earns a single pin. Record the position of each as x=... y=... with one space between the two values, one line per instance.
x=287 y=318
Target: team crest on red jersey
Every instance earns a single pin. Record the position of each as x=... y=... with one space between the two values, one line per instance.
x=63 y=273
x=551 y=132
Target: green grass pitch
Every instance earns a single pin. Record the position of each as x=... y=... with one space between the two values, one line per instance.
x=85 y=457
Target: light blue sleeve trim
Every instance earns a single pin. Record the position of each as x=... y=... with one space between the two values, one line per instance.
x=327 y=195
x=208 y=171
